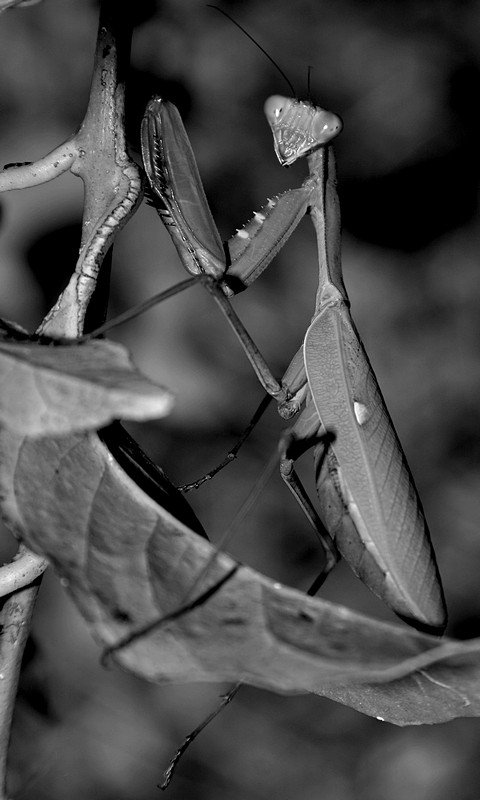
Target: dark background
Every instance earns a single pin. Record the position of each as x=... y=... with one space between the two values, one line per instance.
x=404 y=76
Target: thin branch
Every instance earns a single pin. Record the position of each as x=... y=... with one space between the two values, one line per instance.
x=25 y=568
x=15 y=619
x=36 y=172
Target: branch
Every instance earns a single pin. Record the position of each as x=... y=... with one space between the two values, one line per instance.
x=25 y=568
x=113 y=189
x=112 y=181
x=36 y=172
x=97 y=153
x=15 y=618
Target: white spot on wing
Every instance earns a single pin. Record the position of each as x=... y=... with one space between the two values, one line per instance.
x=361 y=412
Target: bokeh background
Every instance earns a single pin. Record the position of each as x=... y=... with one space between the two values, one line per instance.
x=405 y=77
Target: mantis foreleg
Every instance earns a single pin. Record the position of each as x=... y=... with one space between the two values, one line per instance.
x=177 y=194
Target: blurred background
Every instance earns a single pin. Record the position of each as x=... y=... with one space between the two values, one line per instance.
x=405 y=77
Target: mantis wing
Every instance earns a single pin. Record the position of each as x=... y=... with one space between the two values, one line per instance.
x=369 y=500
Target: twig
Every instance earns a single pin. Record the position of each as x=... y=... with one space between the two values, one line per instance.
x=15 y=619
x=25 y=568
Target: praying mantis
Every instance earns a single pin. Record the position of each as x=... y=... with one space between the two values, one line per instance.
x=368 y=501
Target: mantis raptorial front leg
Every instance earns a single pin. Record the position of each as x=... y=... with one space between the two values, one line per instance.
x=368 y=500
x=178 y=195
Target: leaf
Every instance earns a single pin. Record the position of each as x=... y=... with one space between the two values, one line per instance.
x=51 y=389
x=5 y=4
x=128 y=562
x=447 y=688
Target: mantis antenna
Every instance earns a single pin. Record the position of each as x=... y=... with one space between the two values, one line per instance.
x=262 y=49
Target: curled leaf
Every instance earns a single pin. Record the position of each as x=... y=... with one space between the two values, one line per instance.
x=128 y=563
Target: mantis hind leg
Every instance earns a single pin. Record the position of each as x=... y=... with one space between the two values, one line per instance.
x=232 y=454
x=291 y=448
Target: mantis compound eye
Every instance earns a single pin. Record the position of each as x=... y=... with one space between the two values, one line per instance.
x=274 y=107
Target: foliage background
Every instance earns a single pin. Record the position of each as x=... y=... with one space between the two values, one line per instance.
x=405 y=78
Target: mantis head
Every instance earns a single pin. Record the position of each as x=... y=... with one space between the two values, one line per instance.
x=298 y=127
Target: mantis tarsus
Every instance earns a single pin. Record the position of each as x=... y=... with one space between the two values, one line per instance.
x=369 y=503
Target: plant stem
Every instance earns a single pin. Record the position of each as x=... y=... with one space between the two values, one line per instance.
x=25 y=568
x=15 y=619
x=112 y=181
x=113 y=189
